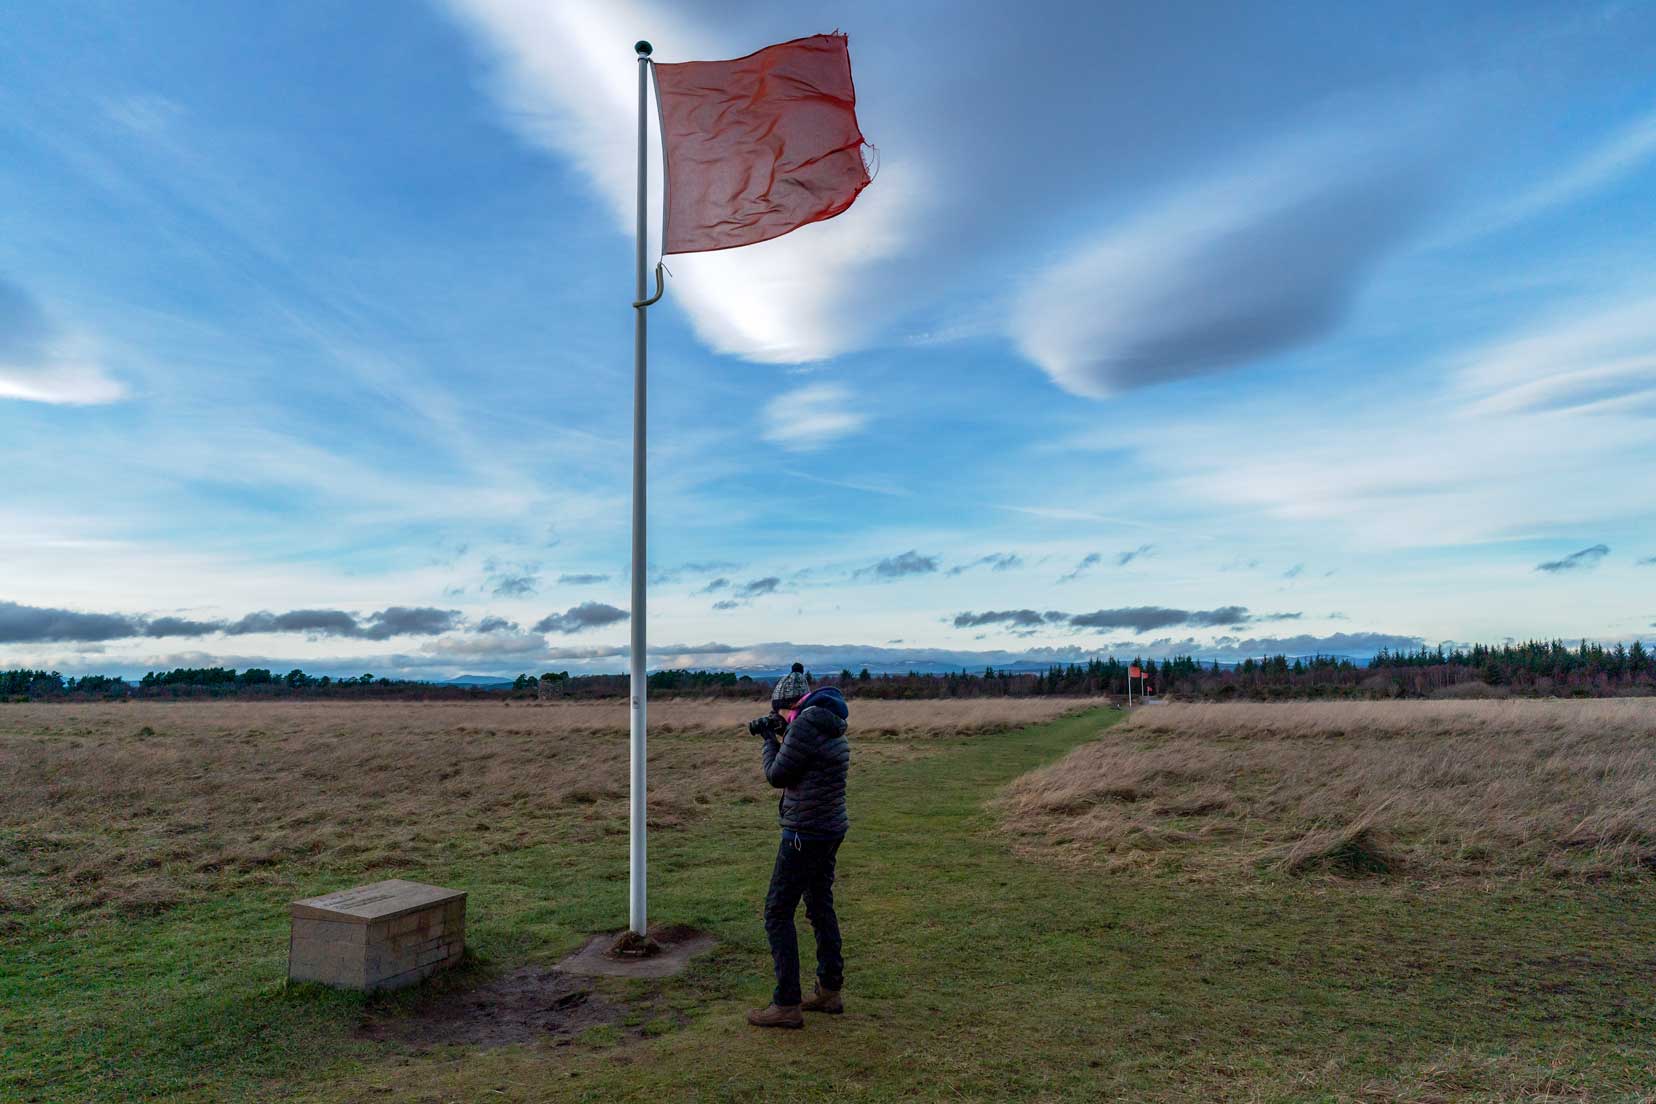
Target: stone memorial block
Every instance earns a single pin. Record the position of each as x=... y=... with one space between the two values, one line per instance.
x=379 y=936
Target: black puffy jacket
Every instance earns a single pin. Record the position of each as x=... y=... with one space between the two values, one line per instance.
x=810 y=765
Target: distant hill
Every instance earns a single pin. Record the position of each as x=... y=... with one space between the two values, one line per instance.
x=484 y=681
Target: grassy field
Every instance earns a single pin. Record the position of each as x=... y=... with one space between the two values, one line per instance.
x=998 y=946
x=1431 y=789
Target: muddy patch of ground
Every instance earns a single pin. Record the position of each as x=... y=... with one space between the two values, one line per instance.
x=525 y=1005
x=533 y=1004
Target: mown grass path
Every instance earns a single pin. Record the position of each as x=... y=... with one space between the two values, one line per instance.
x=973 y=974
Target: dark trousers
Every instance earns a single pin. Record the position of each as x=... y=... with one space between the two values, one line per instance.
x=804 y=868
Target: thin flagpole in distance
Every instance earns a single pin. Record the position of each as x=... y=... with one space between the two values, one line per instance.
x=636 y=916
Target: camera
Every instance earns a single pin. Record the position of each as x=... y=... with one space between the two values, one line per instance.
x=770 y=726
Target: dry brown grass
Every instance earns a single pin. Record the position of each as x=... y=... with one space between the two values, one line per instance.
x=137 y=805
x=1463 y=1075
x=1427 y=788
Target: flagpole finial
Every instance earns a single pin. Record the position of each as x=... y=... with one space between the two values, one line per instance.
x=643 y=48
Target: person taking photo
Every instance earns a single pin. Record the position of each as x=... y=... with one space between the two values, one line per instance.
x=807 y=756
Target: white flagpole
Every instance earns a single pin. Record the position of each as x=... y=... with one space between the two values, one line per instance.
x=636 y=916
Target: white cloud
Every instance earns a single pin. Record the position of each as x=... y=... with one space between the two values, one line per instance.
x=40 y=362
x=1602 y=360
x=1415 y=466
x=810 y=417
x=67 y=373
x=501 y=647
x=566 y=79
x=1267 y=258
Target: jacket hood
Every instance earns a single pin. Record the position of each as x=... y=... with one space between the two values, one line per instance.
x=829 y=698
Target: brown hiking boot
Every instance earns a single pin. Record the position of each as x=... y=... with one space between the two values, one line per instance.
x=776 y=1016
x=823 y=1000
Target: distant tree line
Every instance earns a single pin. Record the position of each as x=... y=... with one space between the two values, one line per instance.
x=220 y=682
x=23 y=683
x=1537 y=668
x=1533 y=669
x=675 y=683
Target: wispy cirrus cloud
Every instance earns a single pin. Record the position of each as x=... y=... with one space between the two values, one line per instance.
x=1088 y=562
x=1320 y=475
x=692 y=569
x=808 y=418
x=1093 y=559
x=1584 y=560
x=1592 y=360
x=995 y=561
x=1615 y=156
x=1139 y=553
x=41 y=363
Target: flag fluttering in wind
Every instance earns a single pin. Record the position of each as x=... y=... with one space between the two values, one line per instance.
x=755 y=148
x=758 y=146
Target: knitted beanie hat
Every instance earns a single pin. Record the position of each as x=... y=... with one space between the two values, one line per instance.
x=790 y=687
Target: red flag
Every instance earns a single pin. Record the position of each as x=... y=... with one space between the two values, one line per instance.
x=759 y=146
x=1134 y=672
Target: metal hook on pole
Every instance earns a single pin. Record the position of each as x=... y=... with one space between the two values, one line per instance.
x=660 y=289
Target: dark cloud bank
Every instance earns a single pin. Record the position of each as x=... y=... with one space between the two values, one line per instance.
x=900 y=566
x=693 y=568
x=515 y=586
x=742 y=593
x=1136 y=618
x=1091 y=559
x=20 y=624
x=995 y=561
x=1584 y=560
x=1264 y=279
x=587 y=615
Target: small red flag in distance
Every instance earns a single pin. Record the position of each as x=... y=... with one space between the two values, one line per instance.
x=759 y=146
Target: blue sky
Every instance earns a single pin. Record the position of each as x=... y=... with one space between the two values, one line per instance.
x=1212 y=329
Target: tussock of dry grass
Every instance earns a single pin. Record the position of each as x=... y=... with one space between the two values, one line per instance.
x=1463 y=1075
x=138 y=805
x=1427 y=788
